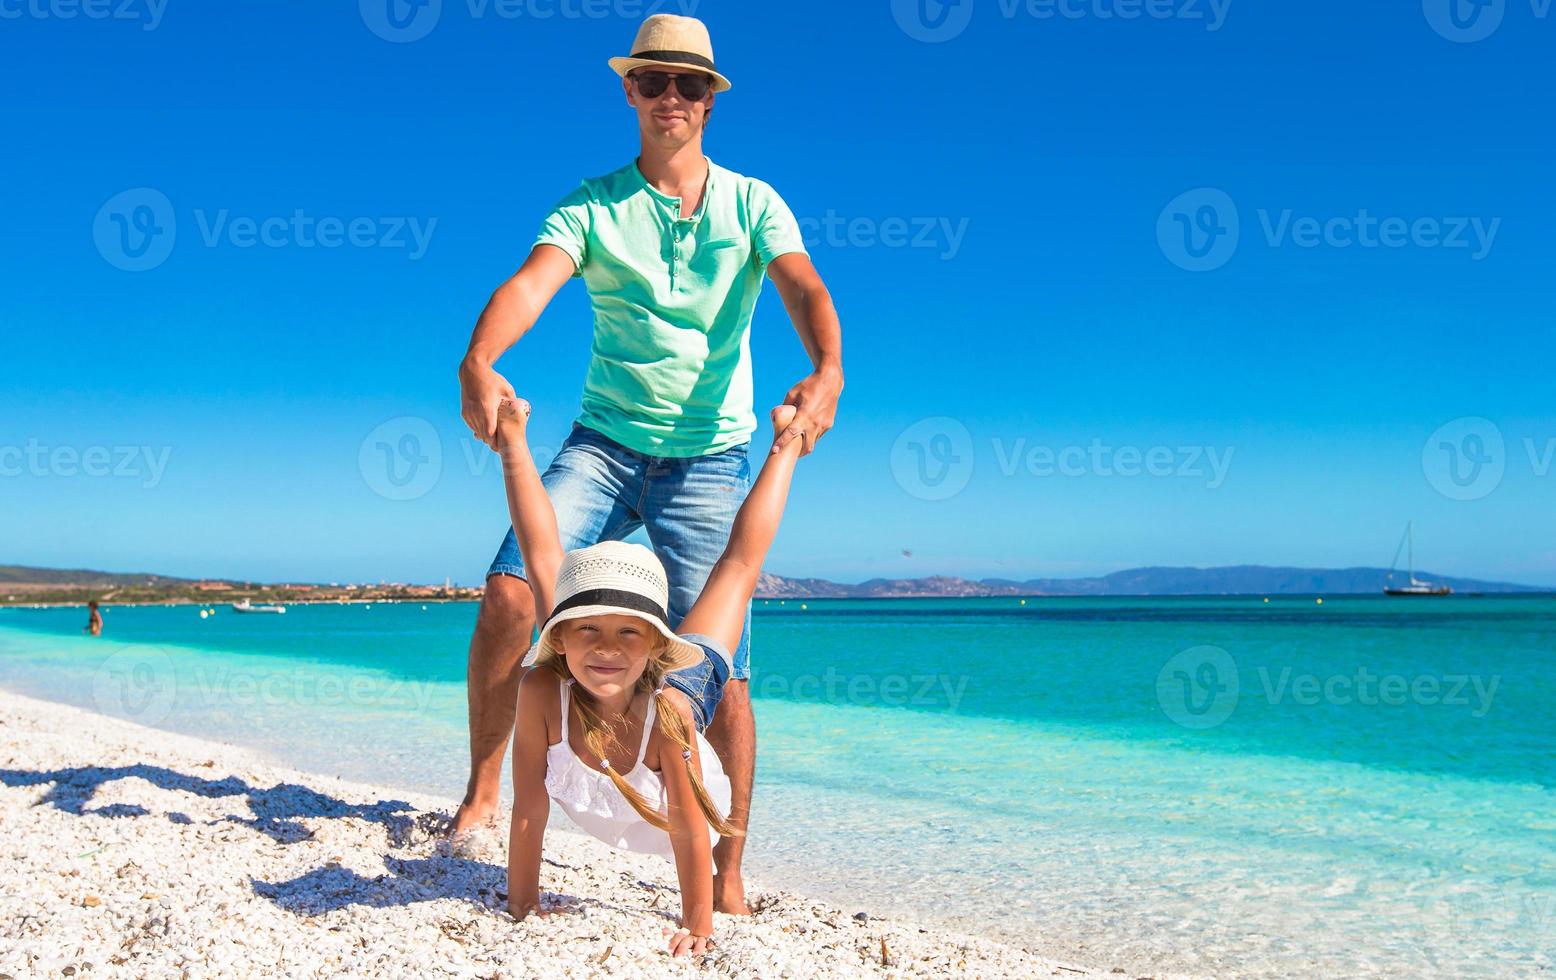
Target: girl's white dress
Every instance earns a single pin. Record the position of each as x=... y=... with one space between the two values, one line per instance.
x=594 y=803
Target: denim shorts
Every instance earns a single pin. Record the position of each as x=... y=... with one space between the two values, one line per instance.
x=603 y=491
x=703 y=684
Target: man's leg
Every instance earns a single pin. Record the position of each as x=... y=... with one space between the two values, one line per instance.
x=502 y=635
x=689 y=508
x=591 y=486
x=733 y=737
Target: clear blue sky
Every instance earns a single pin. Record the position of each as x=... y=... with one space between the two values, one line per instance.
x=1035 y=156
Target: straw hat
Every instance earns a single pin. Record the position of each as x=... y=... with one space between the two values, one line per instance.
x=672 y=41
x=614 y=578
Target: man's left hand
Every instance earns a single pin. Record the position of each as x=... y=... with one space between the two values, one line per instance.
x=815 y=403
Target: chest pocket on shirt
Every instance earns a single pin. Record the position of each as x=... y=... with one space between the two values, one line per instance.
x=720 y=260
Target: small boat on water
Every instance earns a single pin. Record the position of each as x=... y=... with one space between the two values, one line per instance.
x=245 y=606
x=1416 y=587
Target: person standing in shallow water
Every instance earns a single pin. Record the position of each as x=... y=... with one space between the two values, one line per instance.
x=94 y=619
x=674 y=250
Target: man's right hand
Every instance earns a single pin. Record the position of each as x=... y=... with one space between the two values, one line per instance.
x=481 y=391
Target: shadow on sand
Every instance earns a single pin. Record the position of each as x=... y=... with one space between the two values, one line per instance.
x=276 y=809
x=278 y=813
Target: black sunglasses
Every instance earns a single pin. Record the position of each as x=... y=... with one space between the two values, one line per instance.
x=652 y=84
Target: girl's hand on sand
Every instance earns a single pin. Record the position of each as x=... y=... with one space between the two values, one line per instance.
x=512 y=417
x=682 y=942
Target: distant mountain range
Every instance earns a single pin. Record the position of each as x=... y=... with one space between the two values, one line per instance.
x=1228 y=580
x=23 y=574
x=1156 y=581
x=22 y=585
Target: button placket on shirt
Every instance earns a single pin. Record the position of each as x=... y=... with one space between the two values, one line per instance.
x=681 y=236
x=675 y=241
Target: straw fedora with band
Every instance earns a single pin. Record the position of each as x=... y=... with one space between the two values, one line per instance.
x=672 y=41
x=614 y=578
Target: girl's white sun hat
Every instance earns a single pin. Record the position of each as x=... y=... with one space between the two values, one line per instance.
x=614 y=578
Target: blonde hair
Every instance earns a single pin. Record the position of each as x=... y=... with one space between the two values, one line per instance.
x=671 y=724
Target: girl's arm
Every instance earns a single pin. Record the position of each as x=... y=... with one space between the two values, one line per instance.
x=534 y=520
x=531 y=805
x=688 y=838
x=720 y=611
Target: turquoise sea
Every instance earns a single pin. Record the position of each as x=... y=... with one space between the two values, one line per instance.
x=1362 y=786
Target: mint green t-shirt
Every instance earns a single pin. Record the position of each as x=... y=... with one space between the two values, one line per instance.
x=670 y=371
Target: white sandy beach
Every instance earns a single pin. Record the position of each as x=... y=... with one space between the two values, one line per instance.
x=129 y=851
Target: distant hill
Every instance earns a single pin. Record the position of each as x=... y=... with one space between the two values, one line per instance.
x=21 y=585
x=23 y=574
x=1229 y=580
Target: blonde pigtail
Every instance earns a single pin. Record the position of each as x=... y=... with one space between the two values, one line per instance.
x=674 y=727
x=594 y=726
x=671 y=724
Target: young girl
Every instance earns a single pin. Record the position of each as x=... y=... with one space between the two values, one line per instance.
x=611 y=714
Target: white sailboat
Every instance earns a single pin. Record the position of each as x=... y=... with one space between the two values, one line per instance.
x=1416 y=586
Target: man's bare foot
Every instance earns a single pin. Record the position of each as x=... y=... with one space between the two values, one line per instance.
x=471 y=815
x=474 y=835
x=729 y=895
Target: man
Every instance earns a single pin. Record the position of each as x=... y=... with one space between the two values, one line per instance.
x=673 y=250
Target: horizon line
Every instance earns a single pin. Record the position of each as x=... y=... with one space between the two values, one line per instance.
x=981 y=580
